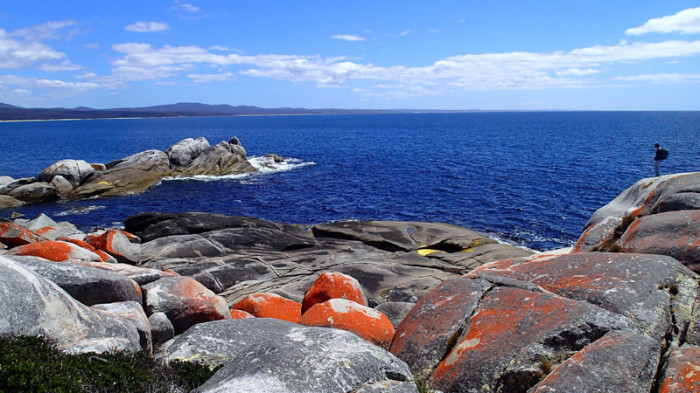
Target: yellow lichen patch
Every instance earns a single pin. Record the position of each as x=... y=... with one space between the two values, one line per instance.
x=106 y=183
x=426 y=251
x=470 y=249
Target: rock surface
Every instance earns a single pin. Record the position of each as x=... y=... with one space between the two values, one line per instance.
x=56 y=251
x=268 y=355
x=270 y=305
x=185 y=302
x=32 y=305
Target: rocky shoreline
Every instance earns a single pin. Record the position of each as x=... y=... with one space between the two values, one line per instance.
x=373 y=306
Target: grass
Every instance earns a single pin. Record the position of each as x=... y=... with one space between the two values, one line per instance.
x=32 y=364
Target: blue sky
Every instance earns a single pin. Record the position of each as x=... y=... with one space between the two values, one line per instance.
x=579 y=55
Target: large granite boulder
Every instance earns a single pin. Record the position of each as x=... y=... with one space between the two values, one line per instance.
x=56 y=251
x=85 y=284
x=185 y=301
x=8 y=202
x=14 y=235
x=130 y=175
x=184 y=152
x=644 y=198
x=48 y=228
x=74 y=171
x=196 y=157
x=268 y=355
x=132 y=312
x=32 y=305
x=547 y=322
x=37 y=192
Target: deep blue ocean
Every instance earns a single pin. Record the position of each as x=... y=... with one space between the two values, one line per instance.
x=530 y=178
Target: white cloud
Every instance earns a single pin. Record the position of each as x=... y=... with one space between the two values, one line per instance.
x=685 y=22
x=208 y=78
x=147 y=27
x=25 y=82
x=348 y=37
x=661 y=78
x=16 y=54
x=405 y=33
x=46 y=31
x=189 y=7
x=433 y=31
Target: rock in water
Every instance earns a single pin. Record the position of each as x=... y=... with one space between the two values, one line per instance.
x=32 y=305
x=74 y=171
x=269 y=355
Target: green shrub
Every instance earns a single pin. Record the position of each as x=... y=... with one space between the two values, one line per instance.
x=32 y=364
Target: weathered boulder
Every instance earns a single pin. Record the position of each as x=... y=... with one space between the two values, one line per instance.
x=34 y=193
x=132 y=312
x=182 y=153
x=75 y=171
x=331 y=285
x=8 y=187
x=161 y=328
x=56 y=251
x=62 y=186
x=8 y=202
x=366 y=322
x=644 y=288
x=674 y=233
x=123 y=246
x=185 y=301
x=682 y=374
x=270 y=305
x=4 y=180
x=87 y=285
x=16 y=235
x=32 y=305
x=646 y=197
x=130 y=175
x=48 y=228
x=268 y=355
x=618 y=362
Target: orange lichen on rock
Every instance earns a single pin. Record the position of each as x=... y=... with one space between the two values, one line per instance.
x=270 y=305
x=55 y=251
x=77 y=242
x=119 y=244
x=683 y=371
x=240 y=314
x=366 y=322
x=14 y=235
x=333 y=286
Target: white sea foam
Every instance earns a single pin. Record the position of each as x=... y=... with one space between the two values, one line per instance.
x=262 y=164
x=80 y=210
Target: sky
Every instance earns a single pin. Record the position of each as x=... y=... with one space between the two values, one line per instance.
x=409 y=54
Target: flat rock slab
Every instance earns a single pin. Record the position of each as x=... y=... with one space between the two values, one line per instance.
x=32 y=305
x=269 y=355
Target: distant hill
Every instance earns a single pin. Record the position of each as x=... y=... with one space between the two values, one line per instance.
x=182 y=109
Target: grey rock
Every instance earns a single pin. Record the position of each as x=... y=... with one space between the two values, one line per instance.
x=395 y=311
x=162 y=329
x=87 y=285
x=75 y=171
x=62 y=186
x=182 y=153
x=32 y=305
x=141 y=275
x=7 y=188
x=130 y=175
x=7 y=202
x=34 y=193
x=51 y=229
x=133 y=312
x=4 y=180
x=268 y=355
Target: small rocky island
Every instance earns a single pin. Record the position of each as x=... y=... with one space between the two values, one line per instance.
x=364 y=307
x=71 y=179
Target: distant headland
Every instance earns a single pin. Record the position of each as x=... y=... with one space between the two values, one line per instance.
x=182 y=109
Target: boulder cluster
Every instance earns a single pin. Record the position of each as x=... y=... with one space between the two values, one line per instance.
x=68 y=179
x=375 y=306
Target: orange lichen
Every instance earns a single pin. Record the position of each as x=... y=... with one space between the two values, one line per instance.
x=47 y=249
x=366 y=322
x=332 y=286
x=270 y=305
x=240 y=314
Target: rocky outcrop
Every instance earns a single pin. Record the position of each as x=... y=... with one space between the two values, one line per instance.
x=656 y=215
x=269 y=355
x=130 y=175
x=537 y=324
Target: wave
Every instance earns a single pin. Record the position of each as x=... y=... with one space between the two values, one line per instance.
x=79 y=210
x=263 y=165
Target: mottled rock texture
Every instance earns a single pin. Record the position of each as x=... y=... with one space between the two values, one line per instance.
x=268 y=355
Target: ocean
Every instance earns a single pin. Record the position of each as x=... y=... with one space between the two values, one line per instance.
x=528 y=178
